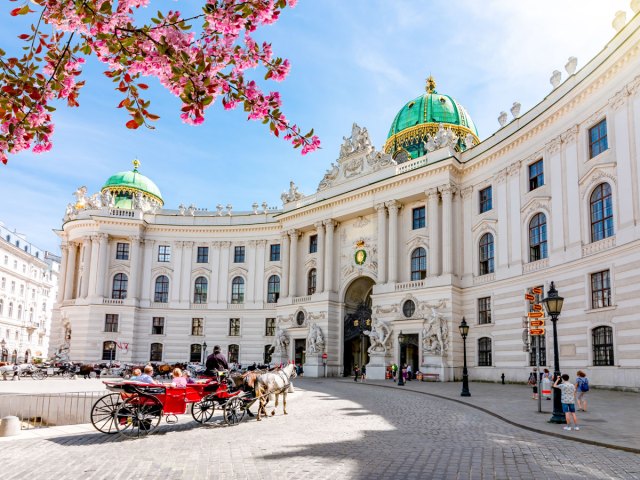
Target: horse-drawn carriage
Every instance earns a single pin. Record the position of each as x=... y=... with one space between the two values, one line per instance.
x=65 y=370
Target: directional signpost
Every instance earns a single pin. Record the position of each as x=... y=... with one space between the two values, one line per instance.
x=535 y=327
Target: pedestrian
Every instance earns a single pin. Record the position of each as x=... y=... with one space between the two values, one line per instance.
x=363 y=373
x=356 y=372
x=409 y=372
x=546 y=384
x=404 y=372
x=394 y=371
x=16 y=372
x=582 y=387
x=533 y=382
x=568 y=397
x=301 y=371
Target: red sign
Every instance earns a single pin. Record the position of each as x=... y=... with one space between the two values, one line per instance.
x=528 y=296
x=537 y=290
x=536 y=331
x=535 y=314
x=537 y=307
x=537 y=323
x=325 y=356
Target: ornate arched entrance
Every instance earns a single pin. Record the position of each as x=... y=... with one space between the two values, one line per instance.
x=357 y=320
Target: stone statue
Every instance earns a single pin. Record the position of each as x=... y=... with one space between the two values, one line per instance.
x=81 y=199
x=292 y=195
x=469 y=141
x=330 y=175
x=137 y=201
x=70 y=210
x=435 y=334
x=181 y=209
x=358 y=141
x=315 y=340
x=107 y=199
x=219 y=208
x=62 y=354
x=192 y=210
x=444 y=137
x=379 y=336
x=280 y=342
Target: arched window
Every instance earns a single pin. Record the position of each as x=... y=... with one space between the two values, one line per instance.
x=10 y=309
x=266 y=357
x=161 y=294
x=120 y=283
x=486 y=254
x=484 y=352
x=155 y=354
x=419 y=264
x=200 y=290
x=273 y=289
x=602 y=344
x=237 y=290
x=311 y=282
x=538 y=237
x=19 y=312
x=195 y=353
x=601 y=213
x=109 y=350
x=234 y=353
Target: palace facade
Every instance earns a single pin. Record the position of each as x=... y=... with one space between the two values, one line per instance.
x=434 y=227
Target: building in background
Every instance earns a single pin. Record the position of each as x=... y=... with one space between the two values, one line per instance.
x=28 y=288
x=407 y=239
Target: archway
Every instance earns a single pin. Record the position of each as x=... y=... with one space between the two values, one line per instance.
x=357 y=320
x=27 y=356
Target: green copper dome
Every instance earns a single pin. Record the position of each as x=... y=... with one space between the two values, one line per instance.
x=124 y=185
x=422 y=116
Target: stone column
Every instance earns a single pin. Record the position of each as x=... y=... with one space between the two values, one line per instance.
x=329 y=255
x=134 y=268
x=215 y=266
x=393 y=207
x=251 y=269
x=95 y=263
x=447 y=192
x=147 y=262
x=382 y=243
x=284 y=259
x=258 y=275
x=185 y=270
x=176 y=257
x=320 y=259
x=515 y=223
x=466 y=244
x=293 y=263
x=86 y=267
x=619 y=123
x=70 y=271
x=103 y=264
x=62 y=277
x=223 y=273
x=434 y=233
x=501 y=244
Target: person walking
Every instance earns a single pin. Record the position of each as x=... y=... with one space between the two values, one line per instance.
x=533 y=382
x=363 y=373
x=409 y=372
x=356 y=372
x=394 y=371
x=582 y=387
x=546 y=384
x=568 y=397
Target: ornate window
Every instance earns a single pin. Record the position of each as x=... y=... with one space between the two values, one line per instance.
x=484 y=310
x=536 y=175
x=300 y=318
x=270 y=327
x=238 y=254
x=543 y=351
x=602 y=344
x=122 y=251
x=120 y=283
x=486 y=199
x=273 y=289
x=197 y=327
x=10 y=309
x=155 y=354
x=600 y=289
x=161 y=294
x=237 y=290
x=484 y=352
x=598 y=139
x=311 y=282
x=408 y=308
x=538 y=237
x=111 y=322
x=234 y=353
x=195 y=353
x=164 y=253
x=274 y=252
x=203 y=255
x=157 y=326
x=486 y=254
x=200 y=290
x=419 y=264
x=419 y=218
x=266 y=357
x=601 y=209
x=234 y=327
x=109 y=350
x=313 y=243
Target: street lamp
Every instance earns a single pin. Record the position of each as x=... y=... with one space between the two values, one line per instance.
x=553 y=305
x=204 y=351
x=464 y=331
x=400 y=343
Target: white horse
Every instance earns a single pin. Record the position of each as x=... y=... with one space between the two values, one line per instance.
x=11 y=369
x=274 y=383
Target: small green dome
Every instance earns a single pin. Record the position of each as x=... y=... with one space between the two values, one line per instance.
x=422 y=116
x=123 y=185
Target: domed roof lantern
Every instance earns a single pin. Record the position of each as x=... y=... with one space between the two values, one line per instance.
x=123 y=186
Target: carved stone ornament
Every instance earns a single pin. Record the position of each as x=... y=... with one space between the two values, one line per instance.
x=358 y=141
x=618 y=100
x=315 y=339
x=280 y=341
x=361 y=222
x=556 y=78
x=435 y=334
x=384 y=309
x=570 y=134
x=444 y=137
x=292 y=195
x=379 y=336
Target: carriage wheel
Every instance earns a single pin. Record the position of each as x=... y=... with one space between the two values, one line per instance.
x=138 y=416
x=38 y=375
x=202 y=411
x=234 y=411
x=103 y=413
x=68 y=374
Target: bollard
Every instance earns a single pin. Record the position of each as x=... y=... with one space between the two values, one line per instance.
x=502 y=376
x=9 y=426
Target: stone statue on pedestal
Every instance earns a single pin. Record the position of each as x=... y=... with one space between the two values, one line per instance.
x=315 y=340
x=435 y=334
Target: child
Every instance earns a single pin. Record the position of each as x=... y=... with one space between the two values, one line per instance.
x=568 y=401
x=178 y=379
x=187 y=376
x=533 y=382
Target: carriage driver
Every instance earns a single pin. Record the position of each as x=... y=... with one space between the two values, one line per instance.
x=216 y=362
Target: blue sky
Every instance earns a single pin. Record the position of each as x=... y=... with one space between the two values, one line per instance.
x=356 y=60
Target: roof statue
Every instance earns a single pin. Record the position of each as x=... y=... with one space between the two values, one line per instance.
x=292 y=195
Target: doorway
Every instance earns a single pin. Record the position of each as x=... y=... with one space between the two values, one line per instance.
x=409 y=353
x=357 y=321
x=300 y=351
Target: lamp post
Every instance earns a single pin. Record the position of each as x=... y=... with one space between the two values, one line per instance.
x=204 y=352
x=464 y=331
x=553 y=305
x=400 y=343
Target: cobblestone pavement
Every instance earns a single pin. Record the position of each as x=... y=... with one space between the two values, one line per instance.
x=334 y=430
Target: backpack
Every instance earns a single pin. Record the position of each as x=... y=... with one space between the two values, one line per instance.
x=584 y=385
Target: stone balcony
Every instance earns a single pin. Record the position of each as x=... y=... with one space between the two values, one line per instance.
x=599 y=246
x=112 y=301
x=413 y=285
x=535 y=266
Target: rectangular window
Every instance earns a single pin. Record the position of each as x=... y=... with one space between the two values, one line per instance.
x=486 y=199
x=234 y=327
x=274 y=252
x=484 y=310
x=536 y=175
x=600 y=289
x=164 y=253
x=197 y=327
x=238 y=255
x=111 y=322
x=122 y=251
x=313 y=243
x=598 y=139
x=203 y=255
x=270 y=327
x=234 y=353
x=157 y=327
x=419 y=219
x=543 y=351
x=484 y=352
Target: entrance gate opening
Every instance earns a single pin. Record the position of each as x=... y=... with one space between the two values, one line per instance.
x=300 y=351
x=357 y=320
x=409 y=352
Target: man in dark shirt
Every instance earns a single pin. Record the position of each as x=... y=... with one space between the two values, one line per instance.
x=216 y=361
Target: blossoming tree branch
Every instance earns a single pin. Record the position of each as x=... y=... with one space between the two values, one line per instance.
x=198 y=65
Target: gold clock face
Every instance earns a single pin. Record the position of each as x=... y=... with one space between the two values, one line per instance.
x=360 y=256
